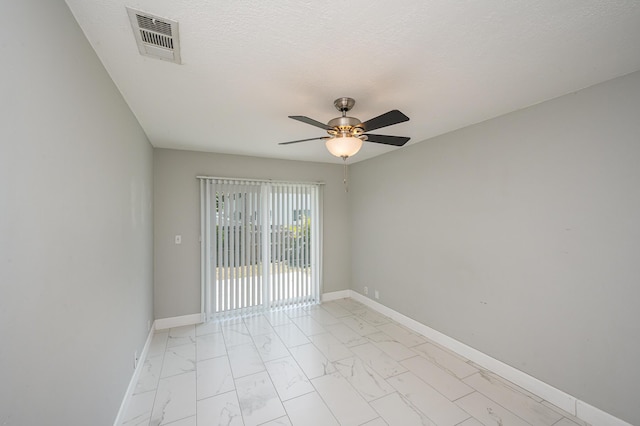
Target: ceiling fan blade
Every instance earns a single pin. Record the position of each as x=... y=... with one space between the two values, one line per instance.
x=303 y=140
x=388 y=140
x=310 y=121
x=384 y=120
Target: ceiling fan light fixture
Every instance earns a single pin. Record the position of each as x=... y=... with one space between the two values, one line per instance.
x=344 y=147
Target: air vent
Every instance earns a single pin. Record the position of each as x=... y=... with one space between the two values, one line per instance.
x=156 y=37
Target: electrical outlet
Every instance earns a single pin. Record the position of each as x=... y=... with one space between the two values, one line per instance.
x=366 y=290
x=178 y=239
x=377 y=294
x=135 y=360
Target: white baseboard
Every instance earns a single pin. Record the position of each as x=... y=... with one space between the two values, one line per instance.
x=568 y=403
x=596 y=416
x=164 y=323
x=134 y=379
x=334 y=295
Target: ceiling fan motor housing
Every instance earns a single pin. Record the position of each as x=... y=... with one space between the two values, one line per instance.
x=345 y=127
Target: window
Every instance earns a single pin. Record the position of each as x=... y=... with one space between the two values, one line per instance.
x=261 y=245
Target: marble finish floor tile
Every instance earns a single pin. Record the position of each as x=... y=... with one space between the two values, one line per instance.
x=471 y=421
x=376 y=422
x=483 y=371
x=277 y=318
x=349 y=304
x=181 y=336
x=222 y=409
x=371 y=316
x=175 y=399
x=139 y=410
x=291 y=335
x=214 y=377
x=189 y=421
x=343 y=400
x=362 y=377
x=380 y=362
x=346 y=335
x=297 y=312
x=323 y=317
x=207 y=328
x=453 y=364
x=330 y=347
x=158 y=343
x=448 y=385
x=288 y=378
x=524 y=407
x=257 y=325
x=210 y=346
x=282 y=421
x=309 y=410
x=258 y=399
x=402 y=335
x=244 y=360
x=235 y=334
x=566 y=422
x=178 y=360
x=311 y=360
x=335 y=309
x=270 y=346
x=487 y=411
x=429 y=401
x=340 y=363
x=150 y=375
x=308 y=325
x=391 y=347
x=397 y=410
x=359 y=325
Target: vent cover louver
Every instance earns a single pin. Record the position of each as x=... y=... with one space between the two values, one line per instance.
x=156 y=37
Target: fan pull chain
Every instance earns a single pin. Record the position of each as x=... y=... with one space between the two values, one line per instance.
x=346 y=185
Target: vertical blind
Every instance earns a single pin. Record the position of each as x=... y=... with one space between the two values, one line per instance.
x=261 y=245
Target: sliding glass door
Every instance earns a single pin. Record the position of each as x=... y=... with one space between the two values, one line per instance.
x=260 y=245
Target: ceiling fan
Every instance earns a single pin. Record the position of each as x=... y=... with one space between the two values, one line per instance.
x=346 y=134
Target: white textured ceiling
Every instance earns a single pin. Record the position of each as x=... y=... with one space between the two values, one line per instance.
x=247 y=65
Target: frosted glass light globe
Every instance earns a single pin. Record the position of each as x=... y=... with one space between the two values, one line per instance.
x=344 y=146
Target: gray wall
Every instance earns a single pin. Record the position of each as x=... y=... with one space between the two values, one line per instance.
x=75 y=224
x=520 y=237
x=177 y=212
